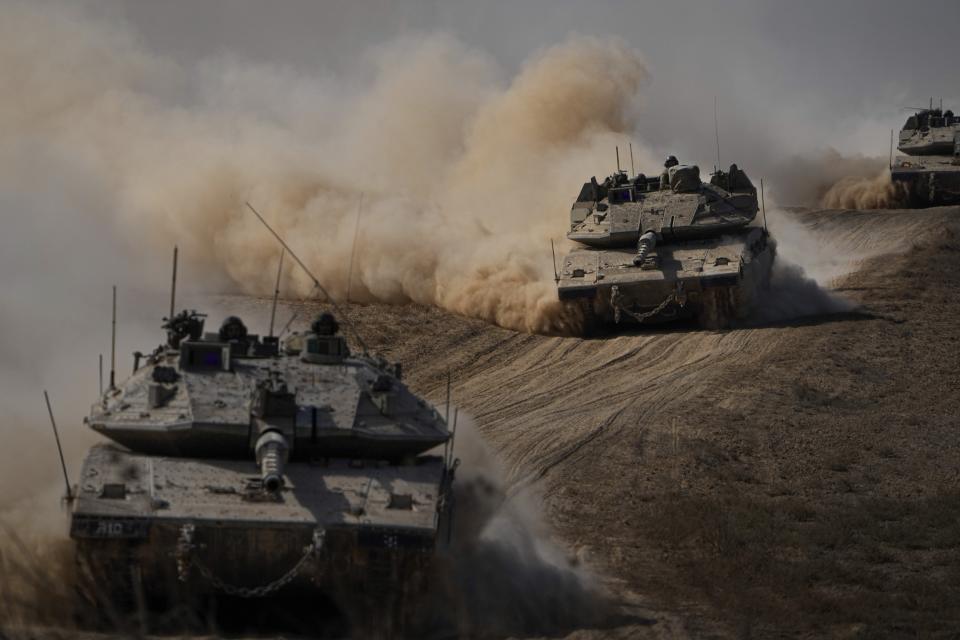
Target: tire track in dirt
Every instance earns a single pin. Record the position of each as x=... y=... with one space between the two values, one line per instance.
x=591 y=416
x=535 y=397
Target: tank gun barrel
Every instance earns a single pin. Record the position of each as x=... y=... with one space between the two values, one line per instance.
x=647 y=242
x=272 y=451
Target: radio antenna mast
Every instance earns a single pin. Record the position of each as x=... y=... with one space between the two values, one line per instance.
x=633 y=171
x=763 y=203
x=353 y=248
x=618 y=158
x=56 y=436
x=891 y=150
x=556 y=276
x=173 y=285
x=316 y=282
x=716 y=130
x=113 y=342
x=276 y=292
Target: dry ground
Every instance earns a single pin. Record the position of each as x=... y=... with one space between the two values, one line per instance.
x=796 y=479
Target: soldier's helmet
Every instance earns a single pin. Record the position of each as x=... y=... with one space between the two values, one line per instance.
x=325 y=325
x=671 y=162
x=233 y=329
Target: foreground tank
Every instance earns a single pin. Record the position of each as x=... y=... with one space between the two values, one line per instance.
x=929 y=173
x=667 y=248
x=256 y=467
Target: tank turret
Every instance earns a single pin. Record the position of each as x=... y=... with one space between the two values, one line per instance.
x=664 y=248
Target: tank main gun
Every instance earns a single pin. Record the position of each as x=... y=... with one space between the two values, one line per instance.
x=647 y=242
x=272 y=452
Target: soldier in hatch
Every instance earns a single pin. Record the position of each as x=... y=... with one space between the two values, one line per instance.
x=665 y=176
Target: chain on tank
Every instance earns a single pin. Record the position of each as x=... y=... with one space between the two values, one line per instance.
x=186 y=559
x=640 y=317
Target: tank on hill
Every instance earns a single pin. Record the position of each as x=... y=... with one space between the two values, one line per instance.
x=930 y=170
x=254 y=467
x=659 y=249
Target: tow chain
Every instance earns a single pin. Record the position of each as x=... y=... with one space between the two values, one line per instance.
x=679 y=296
x=186 y=559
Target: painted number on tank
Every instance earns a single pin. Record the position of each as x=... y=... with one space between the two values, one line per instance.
x=109 y=529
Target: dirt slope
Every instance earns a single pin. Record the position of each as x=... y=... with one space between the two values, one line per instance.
x=801 y=477
x=794 y=479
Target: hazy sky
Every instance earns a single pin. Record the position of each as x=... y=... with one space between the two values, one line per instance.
x=796 y=75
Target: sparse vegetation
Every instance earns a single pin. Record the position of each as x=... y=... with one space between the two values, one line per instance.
x=875 y=564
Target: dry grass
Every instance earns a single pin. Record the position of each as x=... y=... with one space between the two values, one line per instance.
x=880 y=566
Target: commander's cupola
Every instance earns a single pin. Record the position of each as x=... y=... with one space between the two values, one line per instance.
x=323 y=344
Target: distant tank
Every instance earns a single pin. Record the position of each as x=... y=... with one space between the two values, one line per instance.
x=660 y=249
x=255 y=466
x=930 y=172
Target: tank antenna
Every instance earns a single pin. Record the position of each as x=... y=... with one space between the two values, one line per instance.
x=716 y=130
x=101 y=375
x=276 y=292
x=453 y=434
x=447 y=416
x=56 y=436
x=316 y=282
x=618 y=157
x=556 y=276
x=763 y=204
x=353 y=248
x=633 y=171
x=173 y=285
x=113 y=342
x=890 y=165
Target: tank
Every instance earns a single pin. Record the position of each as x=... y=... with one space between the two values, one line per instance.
x=666 y=248
x=253 y=467
x=929 y=173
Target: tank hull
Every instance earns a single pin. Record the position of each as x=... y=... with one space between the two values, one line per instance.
x=929 y=181
x=377 y=586
x=711 y=280
x=363 y=537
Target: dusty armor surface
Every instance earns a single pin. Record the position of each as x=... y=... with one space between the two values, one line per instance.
x=666 y=248
x=252 y=466
x=930 y=172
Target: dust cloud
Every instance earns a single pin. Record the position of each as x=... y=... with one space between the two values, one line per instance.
x=832 y=180
x=852 y=192
x=503 y=574
x=824 y=178
x=111 y=154
x=808 y=264
x=462 y=175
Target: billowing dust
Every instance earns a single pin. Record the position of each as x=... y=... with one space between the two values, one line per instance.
x=833 y=180
x=464 y=176
x=877 y=192
x=503 y=574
